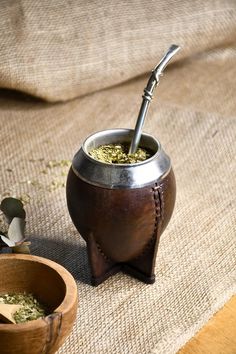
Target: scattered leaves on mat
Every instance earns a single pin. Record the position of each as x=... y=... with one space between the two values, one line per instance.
x=59 y=163
x=56 y=169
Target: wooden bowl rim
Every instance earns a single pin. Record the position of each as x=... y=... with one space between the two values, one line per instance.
x=64 y=307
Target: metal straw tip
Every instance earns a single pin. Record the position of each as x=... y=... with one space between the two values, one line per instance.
x=175 y=48
x=148 y=92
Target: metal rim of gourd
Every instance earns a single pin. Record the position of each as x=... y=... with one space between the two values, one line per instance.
x=124 y=136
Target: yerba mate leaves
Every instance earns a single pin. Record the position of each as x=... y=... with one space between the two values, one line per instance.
x=119 y=154
x=7 y=312
x=27 y=307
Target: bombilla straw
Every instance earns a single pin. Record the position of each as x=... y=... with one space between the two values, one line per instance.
x=147 y=96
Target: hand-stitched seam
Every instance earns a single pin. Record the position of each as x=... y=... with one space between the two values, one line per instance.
x=158 y=204
x=158 y=198
x=107 y=259
x=161 y=200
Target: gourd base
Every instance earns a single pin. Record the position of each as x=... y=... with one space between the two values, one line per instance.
x=141 y=268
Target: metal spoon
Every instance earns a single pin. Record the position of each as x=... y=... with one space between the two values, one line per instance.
x=148 y=92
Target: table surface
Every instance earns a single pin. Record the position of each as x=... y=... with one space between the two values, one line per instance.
x=218 y=336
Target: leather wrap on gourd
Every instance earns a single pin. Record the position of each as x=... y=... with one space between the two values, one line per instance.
x=123 y=222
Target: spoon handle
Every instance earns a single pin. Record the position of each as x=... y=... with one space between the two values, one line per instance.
x=147 y=96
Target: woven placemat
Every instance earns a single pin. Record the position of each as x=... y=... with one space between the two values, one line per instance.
x=193 y=116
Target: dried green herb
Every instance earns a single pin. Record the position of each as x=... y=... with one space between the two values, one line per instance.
x=55 y=185
x=60 y=163
x=118 y=154
x=31 y=309
x=24 y=198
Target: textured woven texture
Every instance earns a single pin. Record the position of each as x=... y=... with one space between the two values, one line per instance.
x=61 y=49
x=193 y=116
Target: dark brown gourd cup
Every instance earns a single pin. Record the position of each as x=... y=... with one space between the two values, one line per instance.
x=121 y=210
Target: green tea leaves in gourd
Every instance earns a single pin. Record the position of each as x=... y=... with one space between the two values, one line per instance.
x=118 y=154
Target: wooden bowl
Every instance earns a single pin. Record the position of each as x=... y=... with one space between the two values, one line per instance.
x=52 y=285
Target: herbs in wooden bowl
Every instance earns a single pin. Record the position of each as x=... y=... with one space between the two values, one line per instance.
x=41 y=298
x=20 y=308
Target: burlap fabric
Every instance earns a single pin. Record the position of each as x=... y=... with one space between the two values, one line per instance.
x=193 y=115
x=60 y=49
x=194 y=118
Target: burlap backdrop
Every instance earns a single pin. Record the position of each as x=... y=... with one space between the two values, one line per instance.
x=61 y=49
x=193 y=115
